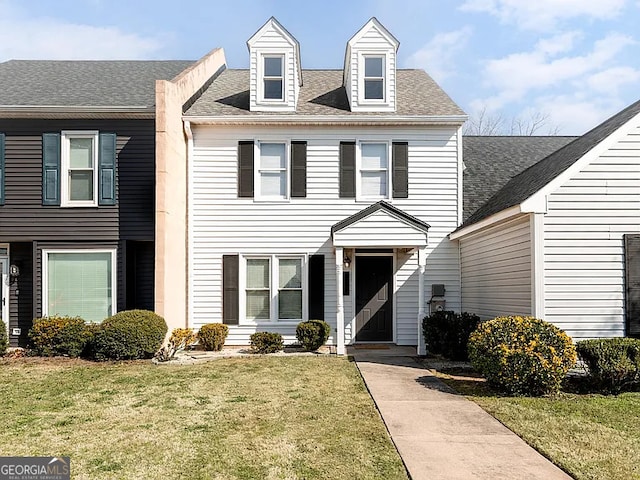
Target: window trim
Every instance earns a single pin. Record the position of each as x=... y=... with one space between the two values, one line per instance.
x=262 y=77
x=385 y=76
x=257 y=184
x=65 y=154
x=44 y=280
x=359 y=195
x=273 y=288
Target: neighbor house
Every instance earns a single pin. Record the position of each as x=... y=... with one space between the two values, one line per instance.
x=320 y=194
x=77 y=186
x=561 y=239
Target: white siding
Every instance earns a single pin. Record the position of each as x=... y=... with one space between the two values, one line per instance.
x=496 y=270
x=380 y=229
x=221 y=223
x=583 y=248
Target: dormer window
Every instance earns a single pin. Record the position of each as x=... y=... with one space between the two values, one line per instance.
x=374 y=77
x=273 y=79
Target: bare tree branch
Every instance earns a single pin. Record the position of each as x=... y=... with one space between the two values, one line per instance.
x=532 y=123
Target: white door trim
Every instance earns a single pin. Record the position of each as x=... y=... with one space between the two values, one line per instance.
x=4 y=269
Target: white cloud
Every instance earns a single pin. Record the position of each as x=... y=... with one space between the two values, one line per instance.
x=438 y=56
x=612 y=79
x=26 y=37
x=544 y=14
x=575 y=115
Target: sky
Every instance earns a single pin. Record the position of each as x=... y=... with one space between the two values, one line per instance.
x=575 y=62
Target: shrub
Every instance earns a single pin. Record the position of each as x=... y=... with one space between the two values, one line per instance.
x=266 y=342
x=129 y=335
x=447 y=333
x=4 y=339
x=212 y=336
x=312 y=334
x=58 y=336
x=522 y=355
x=183 y=336
x=614 y=363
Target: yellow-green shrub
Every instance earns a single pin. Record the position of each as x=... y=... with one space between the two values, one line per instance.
x=58 y=336
x=212 y=336
x=522 y=355
x=183 y=336
x=4 y=340
x=266 y=342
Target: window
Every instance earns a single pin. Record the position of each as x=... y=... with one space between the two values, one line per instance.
x=373 y=178
x=273 y=80
x=79 y=283
x=274 y=289
x=272 y=171
x=374 y=77
x=79 y=168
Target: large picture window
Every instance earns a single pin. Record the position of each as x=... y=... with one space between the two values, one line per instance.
x=79 y=283
x=274 y=288
x=79 y=168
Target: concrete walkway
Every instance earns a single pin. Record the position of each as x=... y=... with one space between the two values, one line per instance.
x=440 y=434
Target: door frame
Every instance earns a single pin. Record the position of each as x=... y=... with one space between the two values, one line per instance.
x=4 y=276
x=394 y=289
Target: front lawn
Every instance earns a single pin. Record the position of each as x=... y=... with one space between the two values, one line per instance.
x=250 y=418
x=590 y=436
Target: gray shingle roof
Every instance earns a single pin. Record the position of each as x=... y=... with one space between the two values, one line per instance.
x=323 y=94
x=528 y=182
x=492 y=161
x=83 y=83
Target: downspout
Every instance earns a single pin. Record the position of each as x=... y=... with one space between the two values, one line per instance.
x=189 y=134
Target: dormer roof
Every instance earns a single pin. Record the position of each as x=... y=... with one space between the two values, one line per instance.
x=373 y=22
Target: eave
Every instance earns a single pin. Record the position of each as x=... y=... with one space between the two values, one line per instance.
x=334 y=120
x=80 y=111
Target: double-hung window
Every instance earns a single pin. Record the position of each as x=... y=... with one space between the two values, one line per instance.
x=274 y=288
x=79 y=283
x=79 y=169
x=373 y=174
x=273 y=78
x=272 y=171
x=374 y=87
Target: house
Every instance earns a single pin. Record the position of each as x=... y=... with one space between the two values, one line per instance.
x=77 y=185
x=561 y=239
x=326 y=194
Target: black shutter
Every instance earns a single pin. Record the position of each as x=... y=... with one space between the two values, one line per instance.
x=298 y=169
x=347 y=169
x=51 y=169
x=107 y=169
x=230 y=297
x=400 y=175
x=245 y=169
x=316 y=287
x=632 y=263
x=1 y=168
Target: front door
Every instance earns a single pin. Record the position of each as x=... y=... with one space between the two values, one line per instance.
x=4 y=290
x=374 y=299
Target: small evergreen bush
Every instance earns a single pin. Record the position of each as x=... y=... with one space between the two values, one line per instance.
x=266 y=342
x=312 y=334
x=59 y=336
x=614 y=363
x=183 y=336
x=128 y=335
x=447 y=333
x=522 y=355
x=4 y=339
x=212 y=336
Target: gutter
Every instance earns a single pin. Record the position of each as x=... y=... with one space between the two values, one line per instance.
x=321 y=120
x=77 y=111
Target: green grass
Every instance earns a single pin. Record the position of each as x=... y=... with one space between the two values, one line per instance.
x=589 y=436
x=249 y=418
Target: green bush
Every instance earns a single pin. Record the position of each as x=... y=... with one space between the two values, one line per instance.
x=312 y=334
x=614 y=363
x=266 y=342
x=522 y=355
x=212 y=336
x=4 y=339
x=184 y=337
x=447 y=333
x=59 y=336
x=128 y=335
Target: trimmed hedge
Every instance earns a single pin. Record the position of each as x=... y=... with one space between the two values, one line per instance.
x=212 y=336
x=614 y=363
x=129 y=335
x=183 y=337
x=522 y=355
x=266 y=342
x=312 y=334
x=447 y=333
x=4 y=338
x=59 y=336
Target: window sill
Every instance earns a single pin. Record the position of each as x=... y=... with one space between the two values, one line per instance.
x=269 y=323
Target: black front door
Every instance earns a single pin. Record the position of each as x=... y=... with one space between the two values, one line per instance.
x=374 y=299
